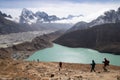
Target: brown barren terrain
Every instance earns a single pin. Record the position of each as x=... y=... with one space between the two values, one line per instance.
x=25 y=70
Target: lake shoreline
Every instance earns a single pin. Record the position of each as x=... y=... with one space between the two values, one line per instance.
x=59 y=53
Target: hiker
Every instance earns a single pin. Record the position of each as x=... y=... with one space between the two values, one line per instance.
x=37 y=60
x=60 y=66
x=106 y=63
x=93 y=66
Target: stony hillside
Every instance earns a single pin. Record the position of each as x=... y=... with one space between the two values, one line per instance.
x=23 y=70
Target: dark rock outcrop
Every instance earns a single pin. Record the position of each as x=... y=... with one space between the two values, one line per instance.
x=5 y=15
x=104 y=38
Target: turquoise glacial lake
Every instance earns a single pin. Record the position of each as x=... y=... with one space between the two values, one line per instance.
x=59 y=53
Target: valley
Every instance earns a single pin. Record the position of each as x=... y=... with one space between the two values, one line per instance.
x=22 y=45
x=37 y=35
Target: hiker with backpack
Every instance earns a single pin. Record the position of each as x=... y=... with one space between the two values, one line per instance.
x=106 y=63
x=93 y=66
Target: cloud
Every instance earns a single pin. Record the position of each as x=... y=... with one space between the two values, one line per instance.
x=85 y=9
x=62 y=9
x=39 y=3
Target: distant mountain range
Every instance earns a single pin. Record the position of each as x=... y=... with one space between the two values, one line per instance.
x=111 y=16
x=26 y=23
x=28 y=17
x=43 y=21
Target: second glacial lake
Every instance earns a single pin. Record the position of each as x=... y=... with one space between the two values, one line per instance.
x=59 y=53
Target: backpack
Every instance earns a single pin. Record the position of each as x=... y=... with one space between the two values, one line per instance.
x=107 y=62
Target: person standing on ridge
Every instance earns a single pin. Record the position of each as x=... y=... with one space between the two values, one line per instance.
x=93 y=66
x=60 y=66
x=106 y=63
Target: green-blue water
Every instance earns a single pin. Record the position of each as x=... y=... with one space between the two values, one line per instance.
x=59 y=53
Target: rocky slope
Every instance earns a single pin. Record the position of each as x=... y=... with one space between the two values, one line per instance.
x=23 y=70
x=104 y=38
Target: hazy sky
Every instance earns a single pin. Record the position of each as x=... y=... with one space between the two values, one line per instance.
x=62 y=8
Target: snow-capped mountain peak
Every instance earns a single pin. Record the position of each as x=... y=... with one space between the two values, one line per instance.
x=27 y=13
x=41 y=14
x=29 y=17
x=111 y=16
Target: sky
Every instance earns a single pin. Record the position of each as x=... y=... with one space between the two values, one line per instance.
x=90 y=9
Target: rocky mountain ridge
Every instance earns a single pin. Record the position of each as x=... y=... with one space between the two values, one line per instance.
x=29 y=17
x=111 y=16
x=5 y=15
